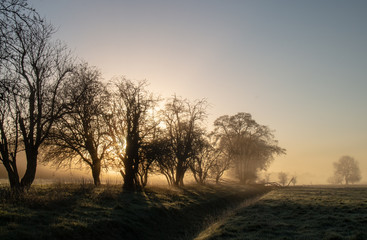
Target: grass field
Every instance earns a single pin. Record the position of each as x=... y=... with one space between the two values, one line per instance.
x=298 y=213
x=83 y=212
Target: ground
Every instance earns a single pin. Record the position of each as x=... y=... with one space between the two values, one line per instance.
x=227 y=211
x=84 y=212
x=298 y=213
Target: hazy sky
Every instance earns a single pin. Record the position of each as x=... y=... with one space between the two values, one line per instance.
x=299 y=67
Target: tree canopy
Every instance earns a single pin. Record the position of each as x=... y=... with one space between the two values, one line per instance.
x=251 y=146
x=346 y=170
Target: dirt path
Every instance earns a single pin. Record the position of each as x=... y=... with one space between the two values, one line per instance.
x=221 y=219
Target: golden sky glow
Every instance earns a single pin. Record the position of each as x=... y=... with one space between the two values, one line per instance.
x=299 y=67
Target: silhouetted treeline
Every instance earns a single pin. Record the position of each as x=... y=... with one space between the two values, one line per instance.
x=53 y=104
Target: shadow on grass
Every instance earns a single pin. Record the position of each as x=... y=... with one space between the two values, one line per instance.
x=85 y=212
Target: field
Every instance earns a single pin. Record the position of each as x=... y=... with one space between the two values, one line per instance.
x=81 y=211
x=297 y=213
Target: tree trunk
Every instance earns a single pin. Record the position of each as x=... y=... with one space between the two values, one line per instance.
x=96 y=171
x=14 y=181
x=180 y=173
x=129 y=176
x=144 y=179
x=217 y=179
x=179 y=177
x=30 y=172
x=12 y=176
x=131 y=163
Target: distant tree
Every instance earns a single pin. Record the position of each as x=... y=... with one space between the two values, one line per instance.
x=131 y=126
x=249 y=145
x=33 y=69
x=335 y=179
x=182 y=120
x=347 y=168
x=283 y=178
x=81 y=134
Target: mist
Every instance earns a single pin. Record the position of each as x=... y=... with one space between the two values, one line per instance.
x=183 y=119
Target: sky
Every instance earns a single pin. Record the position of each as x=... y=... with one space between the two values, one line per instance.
x=299 y=67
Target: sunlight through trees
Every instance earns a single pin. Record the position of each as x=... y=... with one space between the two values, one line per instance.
x=58 y=108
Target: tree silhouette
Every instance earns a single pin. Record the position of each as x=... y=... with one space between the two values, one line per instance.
x=249 y=145
x=294 y=180
x=205 y=158
x=283 y=178
x=130 y=125
x=81 y=134
x=182 y=120
x=33 y=70
x=221 y=164
x=347 y=169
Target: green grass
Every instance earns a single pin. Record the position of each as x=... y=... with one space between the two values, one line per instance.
x=83 y=212
x=298 y=213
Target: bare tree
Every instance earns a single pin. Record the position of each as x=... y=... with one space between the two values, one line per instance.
x=9 y=135
x=81 y=134
x=205 y=158
x=12 y=12
x=249 y=145
x=335 y=179
x=221 y=164
x=293 y=180
x=222 y=161
x=182 y=120
x=347 y=169
x=33 y=70
x=283 y=178
x=131 y=124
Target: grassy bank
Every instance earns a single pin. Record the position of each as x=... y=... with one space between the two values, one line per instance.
x=298 y=213
x=84 y=212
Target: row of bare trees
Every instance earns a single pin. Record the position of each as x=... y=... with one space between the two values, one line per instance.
x=62 y=109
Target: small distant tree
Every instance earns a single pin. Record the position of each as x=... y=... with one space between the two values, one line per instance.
x=347 y=169
x=283 y=178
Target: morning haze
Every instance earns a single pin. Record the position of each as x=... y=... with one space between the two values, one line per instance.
x=234 y=118
x=298 y=67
